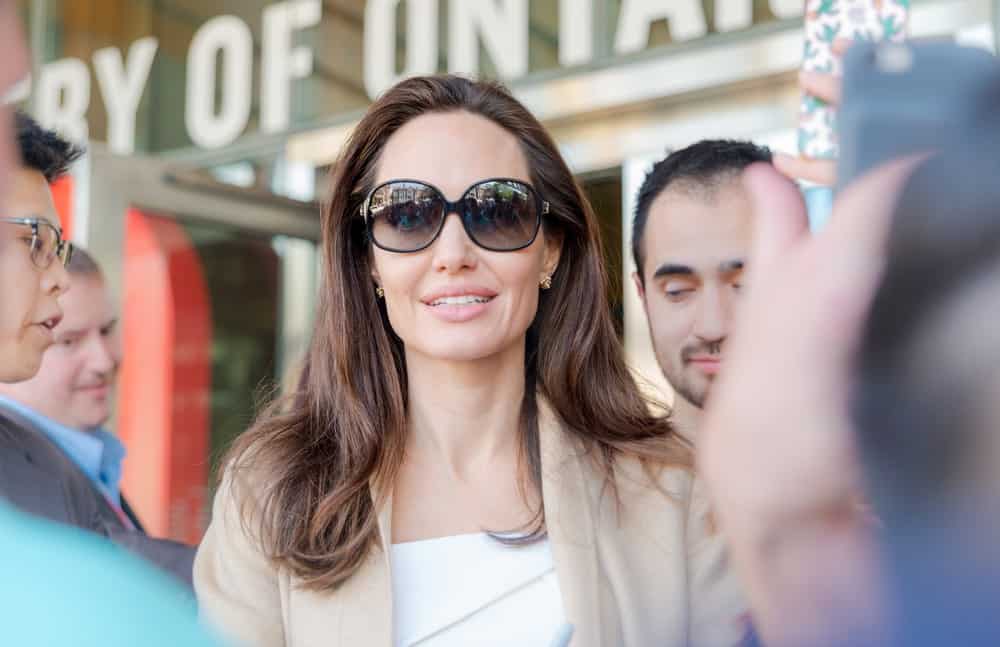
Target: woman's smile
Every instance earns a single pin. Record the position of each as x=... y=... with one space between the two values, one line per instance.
x=459 y=304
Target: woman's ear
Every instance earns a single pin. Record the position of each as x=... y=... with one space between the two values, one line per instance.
x=552 y=254
x=379 y=292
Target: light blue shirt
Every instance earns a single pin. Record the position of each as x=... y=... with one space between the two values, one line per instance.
x=97 y=453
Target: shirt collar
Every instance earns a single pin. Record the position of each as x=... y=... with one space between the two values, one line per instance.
x=97 y=453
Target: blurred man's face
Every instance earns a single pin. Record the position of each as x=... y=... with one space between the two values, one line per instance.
x=29 y=307
x=75 y=384
x=695 y=245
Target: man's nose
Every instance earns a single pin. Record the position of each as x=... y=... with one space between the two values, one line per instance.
x=101 y=357
x=712 y=324
x=55 y=279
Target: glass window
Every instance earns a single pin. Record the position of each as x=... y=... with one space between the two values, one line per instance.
x=242 y=276
x=604 y=190
x=216 y=318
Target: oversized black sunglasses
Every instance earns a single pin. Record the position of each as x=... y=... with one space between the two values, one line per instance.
x=499 y=214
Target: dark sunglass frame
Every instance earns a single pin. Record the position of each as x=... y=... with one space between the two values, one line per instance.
x=541 y=209
x=63 y=250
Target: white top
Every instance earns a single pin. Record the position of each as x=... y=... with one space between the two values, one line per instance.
x=473 y=590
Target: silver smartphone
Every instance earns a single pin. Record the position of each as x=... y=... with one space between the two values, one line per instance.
x=905 y=98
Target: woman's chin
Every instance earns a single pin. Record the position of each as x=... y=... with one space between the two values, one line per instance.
x=471 y=349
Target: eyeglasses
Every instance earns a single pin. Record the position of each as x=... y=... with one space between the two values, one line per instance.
x=46 y=241
x=499 y=215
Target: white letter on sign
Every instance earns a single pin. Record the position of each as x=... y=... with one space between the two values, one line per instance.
x=687 y=21
x=63 y=96
x=231 y=38
x=503 y=27
x=731 y=15
x=380 y=42
x=787 y=8
x=576 y=32
x=121 y=87
x=282 y=62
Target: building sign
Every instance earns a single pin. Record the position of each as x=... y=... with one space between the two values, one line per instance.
x=220 y=60
x=62 y=93
x=501 y=26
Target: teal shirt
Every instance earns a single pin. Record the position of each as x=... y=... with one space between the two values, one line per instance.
x=61 y=586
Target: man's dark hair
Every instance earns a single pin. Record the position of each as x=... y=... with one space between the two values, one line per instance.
x=44 y=150
x=704 y=165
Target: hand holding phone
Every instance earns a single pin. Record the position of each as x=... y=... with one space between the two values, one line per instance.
x=828 y=22
x=826 y=88
x=817 y=176
x=830 y=28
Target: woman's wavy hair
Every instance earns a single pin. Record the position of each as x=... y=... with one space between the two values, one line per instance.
x=325 y=449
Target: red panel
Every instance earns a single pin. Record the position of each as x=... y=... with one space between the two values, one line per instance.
x=164 y=415
x=62 y=194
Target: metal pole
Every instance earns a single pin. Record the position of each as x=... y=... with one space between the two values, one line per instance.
x=996 y=26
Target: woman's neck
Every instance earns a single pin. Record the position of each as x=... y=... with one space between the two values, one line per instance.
x=465 y=414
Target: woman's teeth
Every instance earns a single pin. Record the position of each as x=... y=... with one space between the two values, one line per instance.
x=460 y=301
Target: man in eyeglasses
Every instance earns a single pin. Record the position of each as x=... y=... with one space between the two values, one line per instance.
x=33 y=251
x=54 y=462
x=61 y=586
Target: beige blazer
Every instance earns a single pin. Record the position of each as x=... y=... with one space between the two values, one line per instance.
x=649 y=574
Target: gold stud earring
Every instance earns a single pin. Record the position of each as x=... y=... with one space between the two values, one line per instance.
x=546 y=283
x=379 y=292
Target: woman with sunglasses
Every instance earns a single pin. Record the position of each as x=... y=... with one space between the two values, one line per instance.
x=467 y=460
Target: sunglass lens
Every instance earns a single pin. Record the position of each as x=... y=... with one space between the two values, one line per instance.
x=405 y=216
x=501 y=215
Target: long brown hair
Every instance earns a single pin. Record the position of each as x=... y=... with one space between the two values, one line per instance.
x=324 y=447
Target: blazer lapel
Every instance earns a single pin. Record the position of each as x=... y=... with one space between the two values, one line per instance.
x=132 y=516
x=367 y=608
x=570 y=521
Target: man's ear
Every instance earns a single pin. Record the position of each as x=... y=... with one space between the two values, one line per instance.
x=639 y=287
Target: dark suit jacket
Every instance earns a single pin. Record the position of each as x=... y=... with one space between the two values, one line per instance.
x=36 y=476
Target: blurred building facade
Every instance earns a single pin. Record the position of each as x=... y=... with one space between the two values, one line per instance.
x=211 y=125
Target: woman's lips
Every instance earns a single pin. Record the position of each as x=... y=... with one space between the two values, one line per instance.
x=459 y=308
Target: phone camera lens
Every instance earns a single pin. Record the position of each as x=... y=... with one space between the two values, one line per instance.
x=893 y=58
